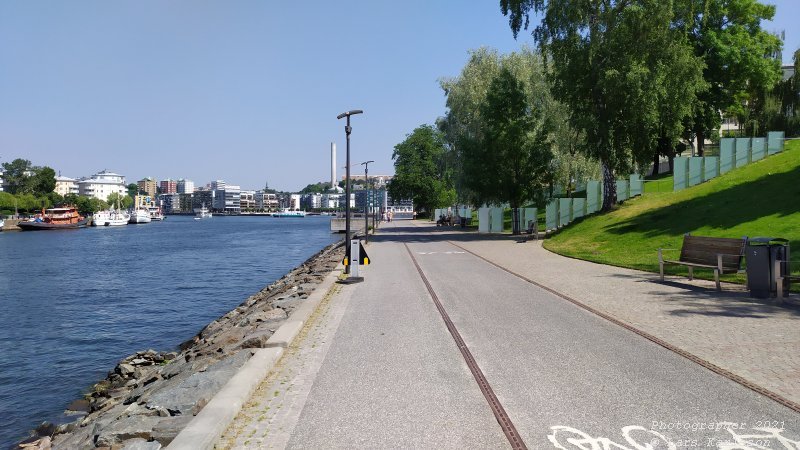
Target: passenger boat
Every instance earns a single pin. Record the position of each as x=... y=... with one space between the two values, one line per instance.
x=55 y=219
x=286 y=212
x=140 y=215
x=203 y=213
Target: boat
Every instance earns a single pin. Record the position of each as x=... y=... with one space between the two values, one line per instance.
x=140 y=215
x=203 y=213
x=55 y=219
x=286 y=212
x=2 y=224
x=110 y=218
x=155 y=213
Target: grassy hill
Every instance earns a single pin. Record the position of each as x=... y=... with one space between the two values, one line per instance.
x=760 y=199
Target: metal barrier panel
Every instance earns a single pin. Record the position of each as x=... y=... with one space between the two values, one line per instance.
x=680 y=173
x=775 y=141
x=726 y=155
x=467 y=213
x=695 y=171
x=436 y=214
x=636 y=185
x=551 y=215
x=742 y=152
x=483 y=220
x=622 y=190
x=564 y=211
x=710 y=168
x=527 y=215
x=759 y=150
x=593 y=199
x=578 y=208
x=496 y=220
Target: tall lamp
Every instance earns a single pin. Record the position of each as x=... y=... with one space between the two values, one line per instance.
x=347 y=130
x=366 y=199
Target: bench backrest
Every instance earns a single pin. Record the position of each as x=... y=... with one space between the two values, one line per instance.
x=704 y=250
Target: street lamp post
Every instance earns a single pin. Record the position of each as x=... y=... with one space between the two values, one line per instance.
x=347 y=130
x=366 y=202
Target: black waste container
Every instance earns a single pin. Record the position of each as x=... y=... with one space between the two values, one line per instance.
x=463 y=222
x=760 y=256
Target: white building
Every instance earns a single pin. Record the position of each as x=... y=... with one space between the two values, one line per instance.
x=66 y=185
x=247 y=200
x=185 y=186
x=102 y=184
x=294 y=201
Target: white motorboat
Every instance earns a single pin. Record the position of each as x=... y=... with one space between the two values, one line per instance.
x=203 y=213
x=155 y=213
x=140 y=215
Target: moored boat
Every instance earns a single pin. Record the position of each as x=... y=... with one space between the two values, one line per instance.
x=203 y=213
x=155 y=213
x=286 y=212
x=55 y=219
x=140 y=215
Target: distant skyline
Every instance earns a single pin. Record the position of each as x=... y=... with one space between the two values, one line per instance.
x=246 y=91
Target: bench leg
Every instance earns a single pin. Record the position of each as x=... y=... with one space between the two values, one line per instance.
x=691 y=273
x=716 y=279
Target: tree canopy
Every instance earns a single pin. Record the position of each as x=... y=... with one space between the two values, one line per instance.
x=619 y=66
x=420 y=170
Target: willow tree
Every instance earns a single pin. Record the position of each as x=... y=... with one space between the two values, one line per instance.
x=617 y=65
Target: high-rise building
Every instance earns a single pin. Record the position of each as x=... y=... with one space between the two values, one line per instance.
x=185 y=186
x=148 y=186
x=168 y=186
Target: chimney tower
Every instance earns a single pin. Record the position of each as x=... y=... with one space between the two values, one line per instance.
x=333 y=166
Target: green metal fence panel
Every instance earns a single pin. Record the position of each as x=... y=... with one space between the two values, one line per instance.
x=726 y=162
x=593 y=199
x=622 y=190
x=636 y=185
x=742 y=152
x=483 y=220
x=775 y=141
x=695 y=171
x=564 y=211
x=496 y=220
x=680 y=172
x=578 y=208
x=759 y=150
x=710 y=167
x=525 y=216
x=551 y=215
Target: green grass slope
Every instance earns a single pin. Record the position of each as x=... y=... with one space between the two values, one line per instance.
x=760 y=199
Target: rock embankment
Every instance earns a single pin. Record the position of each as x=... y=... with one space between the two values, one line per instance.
x=151 y=396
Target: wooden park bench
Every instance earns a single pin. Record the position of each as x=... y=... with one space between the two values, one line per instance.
x=723 y=255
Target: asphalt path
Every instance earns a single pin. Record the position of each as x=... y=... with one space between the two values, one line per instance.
x=394 y=378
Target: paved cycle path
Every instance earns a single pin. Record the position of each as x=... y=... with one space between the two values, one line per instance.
x=380 y=369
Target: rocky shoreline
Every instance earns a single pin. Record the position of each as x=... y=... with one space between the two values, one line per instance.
x=150 y=396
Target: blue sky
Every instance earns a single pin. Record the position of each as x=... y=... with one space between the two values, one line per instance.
x=244 y=91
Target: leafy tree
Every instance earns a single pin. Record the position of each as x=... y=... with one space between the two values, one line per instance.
x=90 y=205
x=420 y=173
x=54 y=198
x=740 y=59
x=71 y=199
x=615 y=64
x=510 y=164
x=133 y=190
x=464 y=122
x=42 y=182
x=15 y=175
x=125 y=201
x=315 y=188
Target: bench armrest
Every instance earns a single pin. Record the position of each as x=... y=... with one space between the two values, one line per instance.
x=661 y=256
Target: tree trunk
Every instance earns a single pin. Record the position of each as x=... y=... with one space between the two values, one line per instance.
x=671 y=159
x=609 y=187
x=701 y=138
x=656 y=163
x=515 y=221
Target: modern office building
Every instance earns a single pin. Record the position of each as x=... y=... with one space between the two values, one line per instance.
x=202 y=197
x=266 y=201
x=102 y=184
x=247 y=200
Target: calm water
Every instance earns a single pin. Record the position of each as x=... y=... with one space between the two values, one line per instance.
x=75 y=302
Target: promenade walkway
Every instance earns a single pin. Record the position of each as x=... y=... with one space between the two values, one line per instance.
x=378 y=366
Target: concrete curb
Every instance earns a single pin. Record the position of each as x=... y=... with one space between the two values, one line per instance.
x=207 y=427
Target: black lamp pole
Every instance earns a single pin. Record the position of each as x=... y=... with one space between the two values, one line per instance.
x=347 y=130
x=366 y=197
